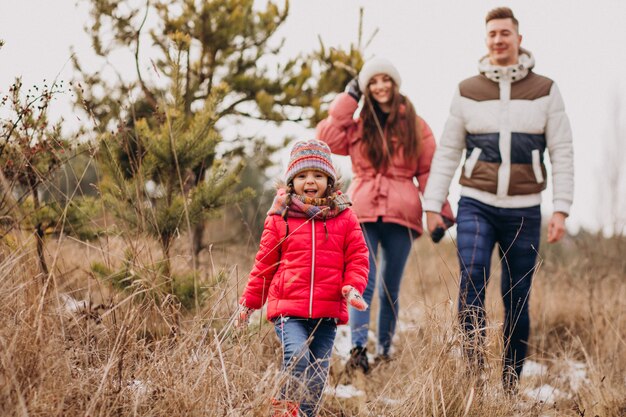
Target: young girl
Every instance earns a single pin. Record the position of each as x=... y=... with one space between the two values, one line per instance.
x=390 y=147
x=312 y=259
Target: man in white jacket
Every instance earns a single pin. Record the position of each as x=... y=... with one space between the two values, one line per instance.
x=505 y=118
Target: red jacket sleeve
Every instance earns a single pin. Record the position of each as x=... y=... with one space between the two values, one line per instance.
x=265 y=265
x=338 y=129
x=423 y=165
x=356 y=255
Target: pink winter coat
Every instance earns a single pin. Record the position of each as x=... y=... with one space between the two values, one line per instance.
x=303 y=275
x=391 y=195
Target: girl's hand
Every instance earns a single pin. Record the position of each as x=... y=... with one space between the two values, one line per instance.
x=243 y=316
x=354 y=298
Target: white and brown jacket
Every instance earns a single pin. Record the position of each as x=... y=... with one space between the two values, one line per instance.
x=505 y=118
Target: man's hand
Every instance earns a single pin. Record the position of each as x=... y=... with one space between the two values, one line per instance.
x=433 y=221
x=354 y=298
x=436 y=226
x=556 y=227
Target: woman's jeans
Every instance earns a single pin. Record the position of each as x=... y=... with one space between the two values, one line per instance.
x=516 y=231
x=395 y=241
x=307 y=347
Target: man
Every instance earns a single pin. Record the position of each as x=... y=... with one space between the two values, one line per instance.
x=504 y=118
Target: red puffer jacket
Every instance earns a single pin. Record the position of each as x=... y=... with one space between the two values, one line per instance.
x=303 y=275
x=393 y=194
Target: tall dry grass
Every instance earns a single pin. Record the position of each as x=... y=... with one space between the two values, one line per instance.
x=129 y=354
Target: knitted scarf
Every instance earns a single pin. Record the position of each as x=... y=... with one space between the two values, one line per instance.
x=307 y=207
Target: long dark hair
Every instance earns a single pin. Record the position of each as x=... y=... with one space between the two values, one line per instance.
x=402 y=123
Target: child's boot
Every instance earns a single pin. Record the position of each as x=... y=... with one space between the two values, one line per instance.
x=284 y=408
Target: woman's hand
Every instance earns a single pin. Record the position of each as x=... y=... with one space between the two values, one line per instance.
x=353 y=89
x=354 y=298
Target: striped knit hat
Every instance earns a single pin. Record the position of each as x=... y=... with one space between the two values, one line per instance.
x=310 y=154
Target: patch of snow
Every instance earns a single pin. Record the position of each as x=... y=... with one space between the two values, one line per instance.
x=402 y=326
x=154 y=190
x=138 y=387
x=390 y=401
x=490 y=391
x=255 y=318
x=409 y=319
x=456 y=352
x=545 y=393
x=414 y=313
x=343 y=342
x=199 y=355
x=380 y=350
x=576 y=374
x=532 y=368
x=71 y=304
x=344 y=391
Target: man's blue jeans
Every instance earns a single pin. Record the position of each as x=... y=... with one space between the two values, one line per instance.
x=395 y=241
x=516 y=231
x=307 y=347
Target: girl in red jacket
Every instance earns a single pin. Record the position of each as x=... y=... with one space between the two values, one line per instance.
x=312 y=258
x=390 y=147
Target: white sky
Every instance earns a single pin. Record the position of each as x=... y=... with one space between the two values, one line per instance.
x=434 y=44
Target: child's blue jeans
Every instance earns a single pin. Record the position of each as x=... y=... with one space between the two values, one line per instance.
x=395 y=241
x=516 y=231
x=307 y=347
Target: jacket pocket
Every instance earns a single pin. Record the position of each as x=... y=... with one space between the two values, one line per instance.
x=470 y=162
x=537 y=166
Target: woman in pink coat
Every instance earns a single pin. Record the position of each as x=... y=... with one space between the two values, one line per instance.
x=391 y=149
x=312 y=261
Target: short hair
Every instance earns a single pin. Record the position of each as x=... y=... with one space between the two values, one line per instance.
x=502 y=13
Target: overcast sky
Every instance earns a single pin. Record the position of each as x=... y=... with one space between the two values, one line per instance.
x=434 y=44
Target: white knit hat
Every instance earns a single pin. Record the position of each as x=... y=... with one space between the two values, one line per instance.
x=378 y=66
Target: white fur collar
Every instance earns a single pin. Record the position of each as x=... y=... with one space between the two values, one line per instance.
x=510 y=73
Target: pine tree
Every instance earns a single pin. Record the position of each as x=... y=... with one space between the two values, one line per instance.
x=157 y=193
x=228 y=50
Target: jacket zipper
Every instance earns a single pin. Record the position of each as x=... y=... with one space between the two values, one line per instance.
x=312 y=269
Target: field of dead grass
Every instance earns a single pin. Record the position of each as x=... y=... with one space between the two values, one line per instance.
x=71 y=345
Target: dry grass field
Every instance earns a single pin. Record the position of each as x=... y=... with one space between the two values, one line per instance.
x=71 y=345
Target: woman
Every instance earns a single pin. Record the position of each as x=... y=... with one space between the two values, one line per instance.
x=389 y=146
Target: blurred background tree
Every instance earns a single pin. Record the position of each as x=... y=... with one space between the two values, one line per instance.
x=612 y=172
x=230 y=46
x=157 y=193
x=32 y=153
